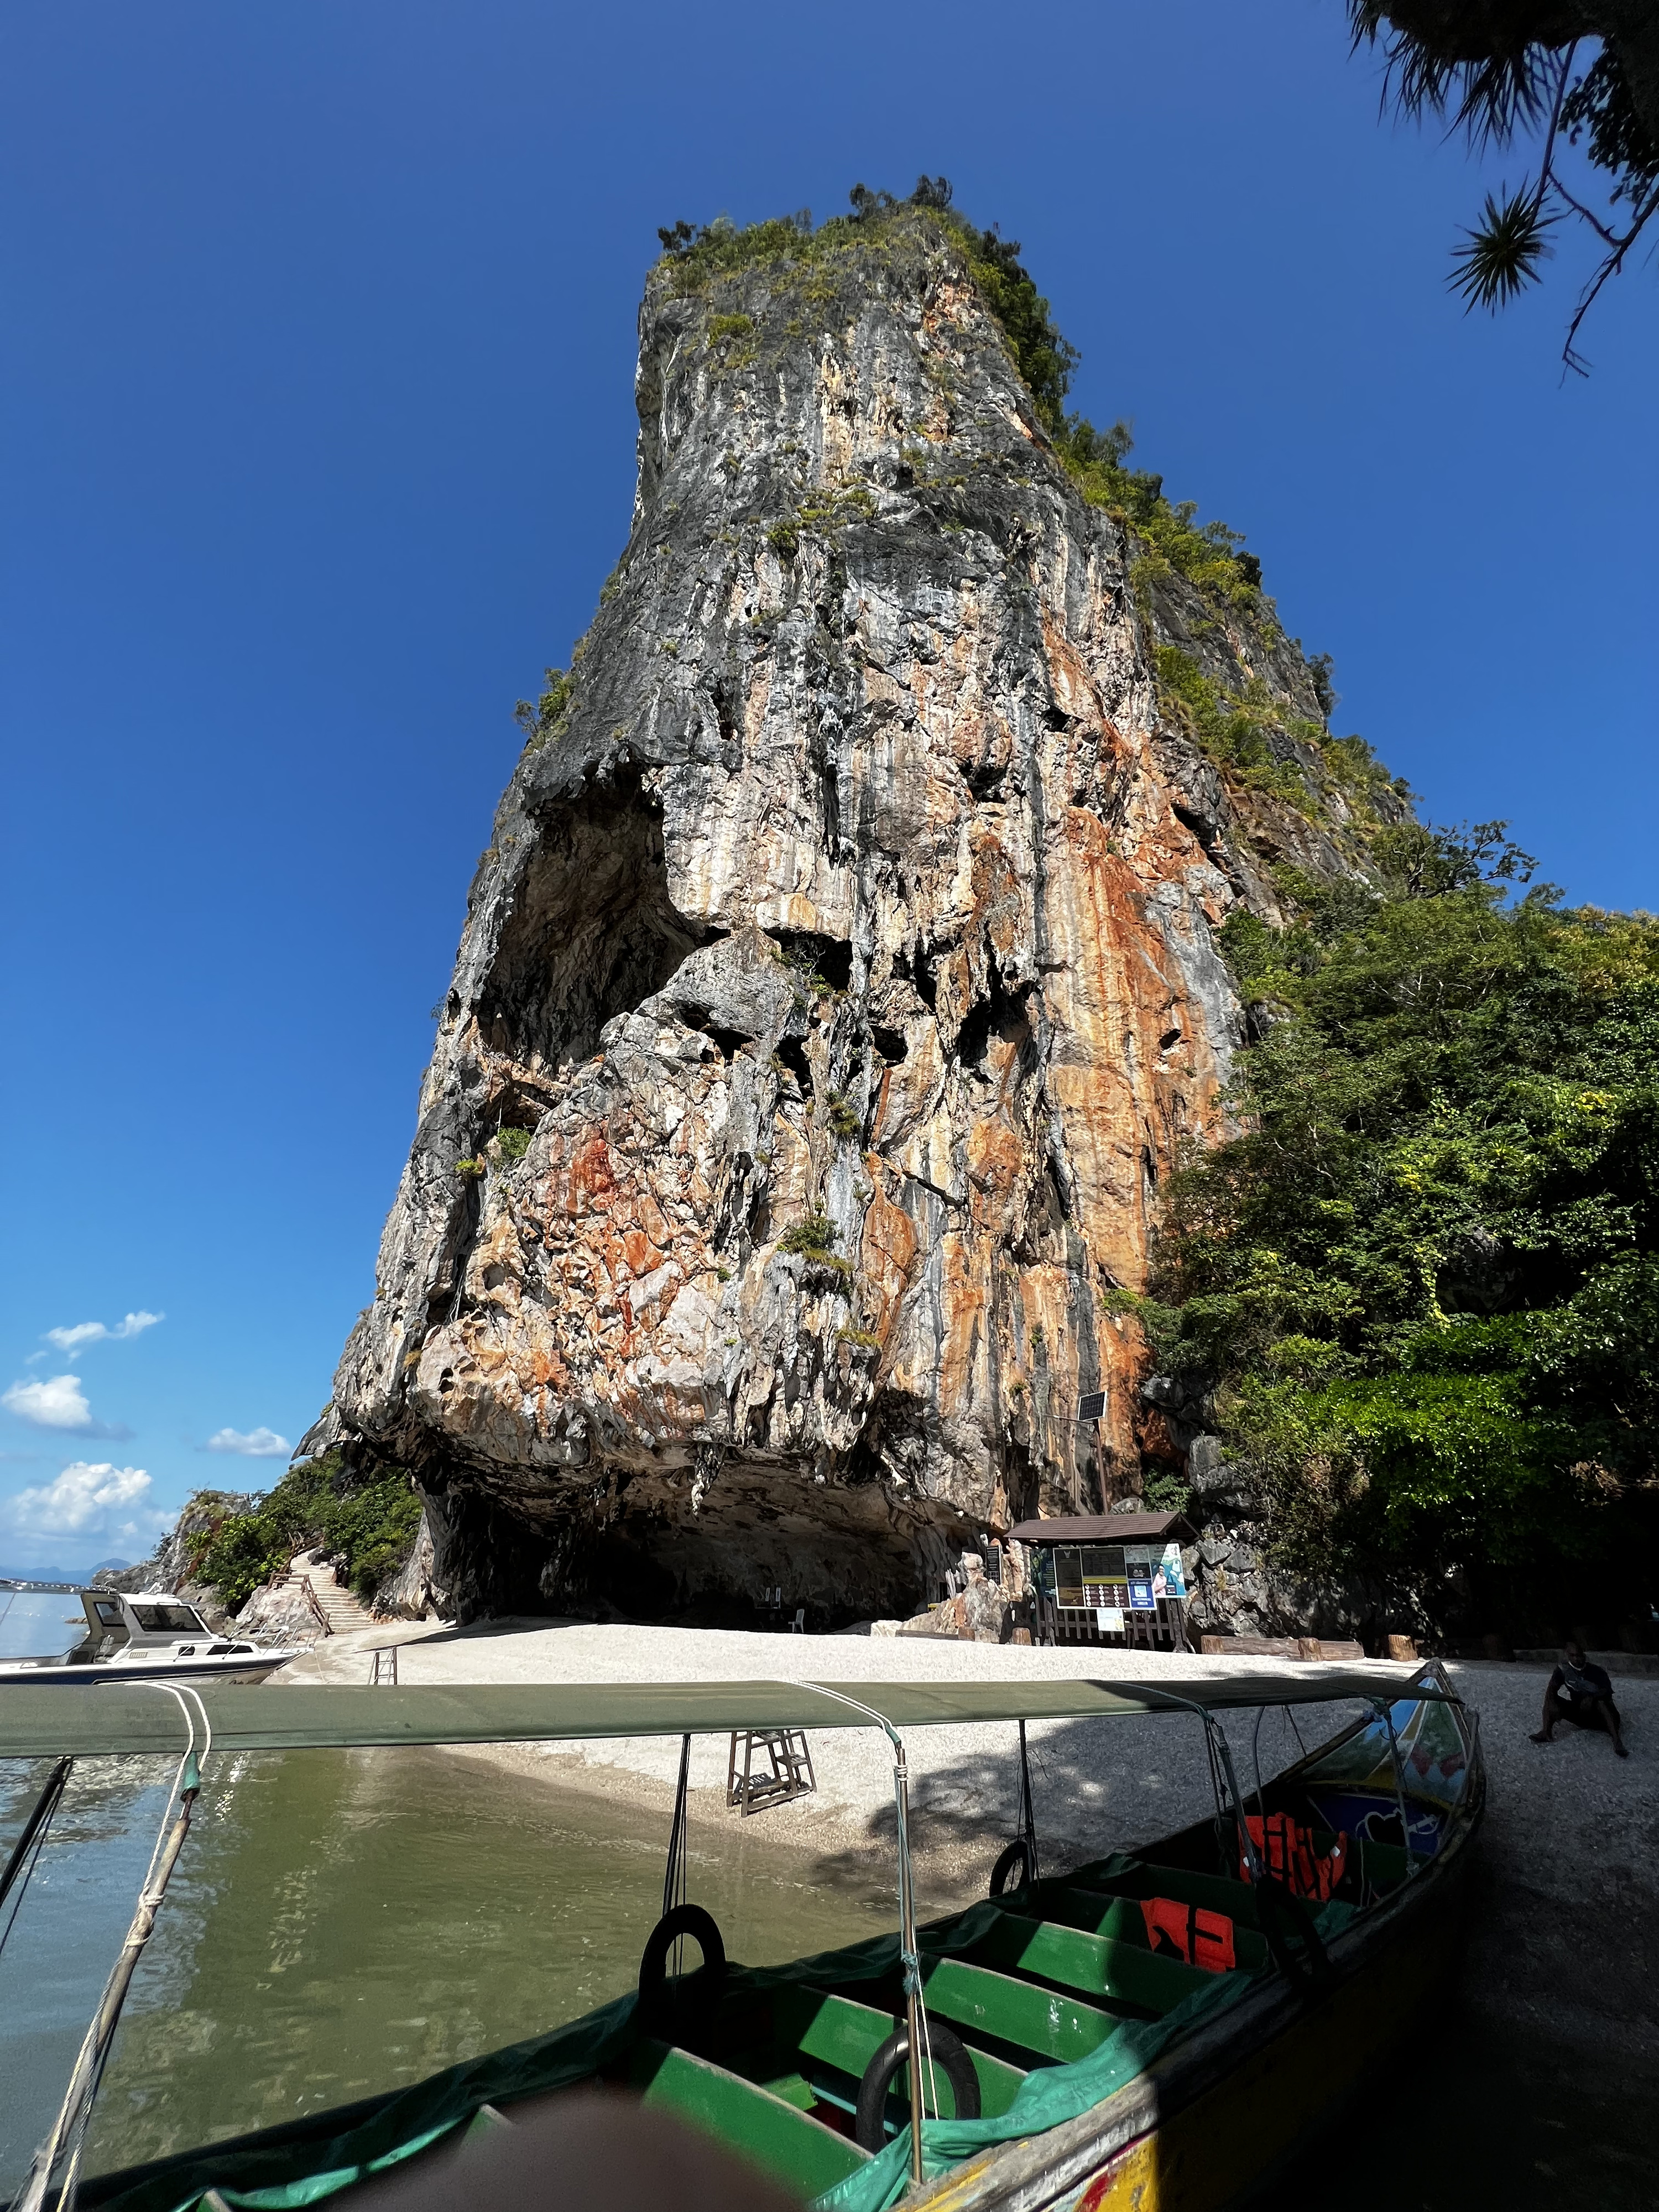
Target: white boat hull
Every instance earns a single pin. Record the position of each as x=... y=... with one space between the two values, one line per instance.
x=230 y=1667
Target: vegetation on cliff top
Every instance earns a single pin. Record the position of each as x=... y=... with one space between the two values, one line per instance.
x=1244 y=732
x=1209 y=555
x=366 y=1526
x=1425 y=1279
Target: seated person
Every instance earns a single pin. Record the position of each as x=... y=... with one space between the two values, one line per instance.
x=1583 y=1696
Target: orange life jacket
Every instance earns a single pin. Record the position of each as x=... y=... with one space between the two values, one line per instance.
x=1287 y=1851
x=1200 y=1938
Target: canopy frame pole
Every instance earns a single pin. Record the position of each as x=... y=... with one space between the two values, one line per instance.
x=1221 y=1757
x=673 y=1879
x=68 y=2130
x=1385 y=1713
x=1027 y=1810
x=915 y=2012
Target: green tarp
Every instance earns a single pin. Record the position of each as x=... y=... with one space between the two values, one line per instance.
x=39 y=1720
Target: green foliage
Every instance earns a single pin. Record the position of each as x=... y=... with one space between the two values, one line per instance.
x=732 y=337
x=1210 y=556
x=814 y=1237
x=366 y=1522
x=1163 y=1492
x=550 y=715
x=845 y=1121
x=1425 y=1277
x=863 y=1340
x=513 y=1144
x=1503 y=254
x=1237 y=732
x=1504 y=71
x=473 y=1168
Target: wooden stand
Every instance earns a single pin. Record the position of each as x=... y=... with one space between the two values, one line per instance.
x=787 y=1772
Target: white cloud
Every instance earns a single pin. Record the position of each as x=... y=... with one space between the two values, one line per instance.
x=57 y=1404
x=69 y=1342
x=258 y=1443
x=83 y=1501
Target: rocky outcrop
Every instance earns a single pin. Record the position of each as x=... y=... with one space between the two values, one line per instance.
x=839 y=986
x=169 y=1566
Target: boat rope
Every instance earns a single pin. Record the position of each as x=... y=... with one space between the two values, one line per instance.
x=674 y=1875
x=921 y=2042
x=68 y=2136
x=26 y=1851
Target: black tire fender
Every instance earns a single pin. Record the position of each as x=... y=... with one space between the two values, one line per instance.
x=950 y=2059
x=697 y=1995
x=1019 y=1854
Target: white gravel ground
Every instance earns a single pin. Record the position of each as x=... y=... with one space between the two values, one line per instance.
x=1565 y=1933
x=1096 y=1784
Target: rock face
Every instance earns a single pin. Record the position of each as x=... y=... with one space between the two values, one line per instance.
x=168 y=1566
x=839 y=985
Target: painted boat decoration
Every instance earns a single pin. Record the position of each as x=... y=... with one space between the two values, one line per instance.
x=1156 y=2031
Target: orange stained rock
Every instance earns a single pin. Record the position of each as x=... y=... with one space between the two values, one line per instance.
x=887 y=1253
x=996 y=1165
x=638 y=1252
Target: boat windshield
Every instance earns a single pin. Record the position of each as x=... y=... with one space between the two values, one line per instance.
x=170 y=1620
x=1433 y=1756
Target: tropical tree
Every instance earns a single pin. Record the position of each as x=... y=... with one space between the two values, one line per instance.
x=1561 y=74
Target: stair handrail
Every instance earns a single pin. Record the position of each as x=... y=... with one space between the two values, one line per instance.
x=315 y=1604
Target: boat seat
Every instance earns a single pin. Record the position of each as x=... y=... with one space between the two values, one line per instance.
x=1119 y=1919
x=801 y=2152
x=833 y=2032
x=1011 y=2011
x=1123 y=1976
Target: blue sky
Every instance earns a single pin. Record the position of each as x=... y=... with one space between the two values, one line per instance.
x=316 y=377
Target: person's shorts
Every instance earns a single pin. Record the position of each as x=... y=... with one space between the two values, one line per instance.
x=1583 y=1712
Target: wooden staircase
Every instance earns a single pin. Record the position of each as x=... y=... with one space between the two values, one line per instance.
x=334 y=1611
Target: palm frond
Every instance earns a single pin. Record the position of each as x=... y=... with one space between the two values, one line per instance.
x=1489 y=66
x=1501 y=256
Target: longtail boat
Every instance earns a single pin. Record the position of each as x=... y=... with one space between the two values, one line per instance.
x=1156 y=2030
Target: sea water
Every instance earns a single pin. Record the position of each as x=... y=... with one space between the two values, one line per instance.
x=36 y=1624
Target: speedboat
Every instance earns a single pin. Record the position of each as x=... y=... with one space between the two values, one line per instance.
x=148 y=1632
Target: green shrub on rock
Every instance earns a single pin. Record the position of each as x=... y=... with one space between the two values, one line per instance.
x=366 y=1523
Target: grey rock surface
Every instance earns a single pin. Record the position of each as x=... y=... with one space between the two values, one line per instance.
x=839 y=985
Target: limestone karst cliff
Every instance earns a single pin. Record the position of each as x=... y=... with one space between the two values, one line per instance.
x=840 y=983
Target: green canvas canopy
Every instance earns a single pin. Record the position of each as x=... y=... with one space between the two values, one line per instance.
x=37 y=1721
